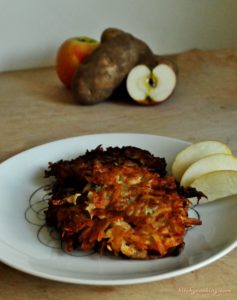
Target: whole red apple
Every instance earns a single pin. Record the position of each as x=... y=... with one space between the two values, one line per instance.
x=70 y=54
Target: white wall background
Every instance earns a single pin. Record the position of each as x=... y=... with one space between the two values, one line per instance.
x=32 y=30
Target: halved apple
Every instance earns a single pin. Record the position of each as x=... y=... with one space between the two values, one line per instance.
x=208 y=164
x=194 y=152
x=217 y=184
x=154 y=86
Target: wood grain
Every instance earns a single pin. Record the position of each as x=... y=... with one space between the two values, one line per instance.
x=35 y=108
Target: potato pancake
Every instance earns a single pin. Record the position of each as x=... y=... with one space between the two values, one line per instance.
x=118 y=201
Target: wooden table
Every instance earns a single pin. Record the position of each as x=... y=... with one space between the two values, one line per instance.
x=35 y=109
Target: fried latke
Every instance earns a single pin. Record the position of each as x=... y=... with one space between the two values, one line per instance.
x=120 y=201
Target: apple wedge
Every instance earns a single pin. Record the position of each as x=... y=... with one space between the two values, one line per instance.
x=208 y=164
x=217 y=184
x=194 y=152
x=154 y=86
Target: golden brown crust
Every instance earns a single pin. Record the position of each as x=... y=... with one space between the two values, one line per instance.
x=118 y=201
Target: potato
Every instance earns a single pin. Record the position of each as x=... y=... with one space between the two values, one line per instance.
x=107 y=67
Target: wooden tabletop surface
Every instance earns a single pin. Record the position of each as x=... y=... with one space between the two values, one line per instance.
x=35 y=108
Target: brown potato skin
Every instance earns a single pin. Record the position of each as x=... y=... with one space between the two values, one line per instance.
x=110 y=33
x=106 y=68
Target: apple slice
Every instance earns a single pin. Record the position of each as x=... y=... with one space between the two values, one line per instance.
x=217 y=184
x=147 y=86
x=195 y=152
x=208 y=164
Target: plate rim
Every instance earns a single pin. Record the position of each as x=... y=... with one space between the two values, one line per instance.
x=74 y=137
x=126 y=281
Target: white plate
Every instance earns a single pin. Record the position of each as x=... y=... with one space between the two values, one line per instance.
x=26 y=244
